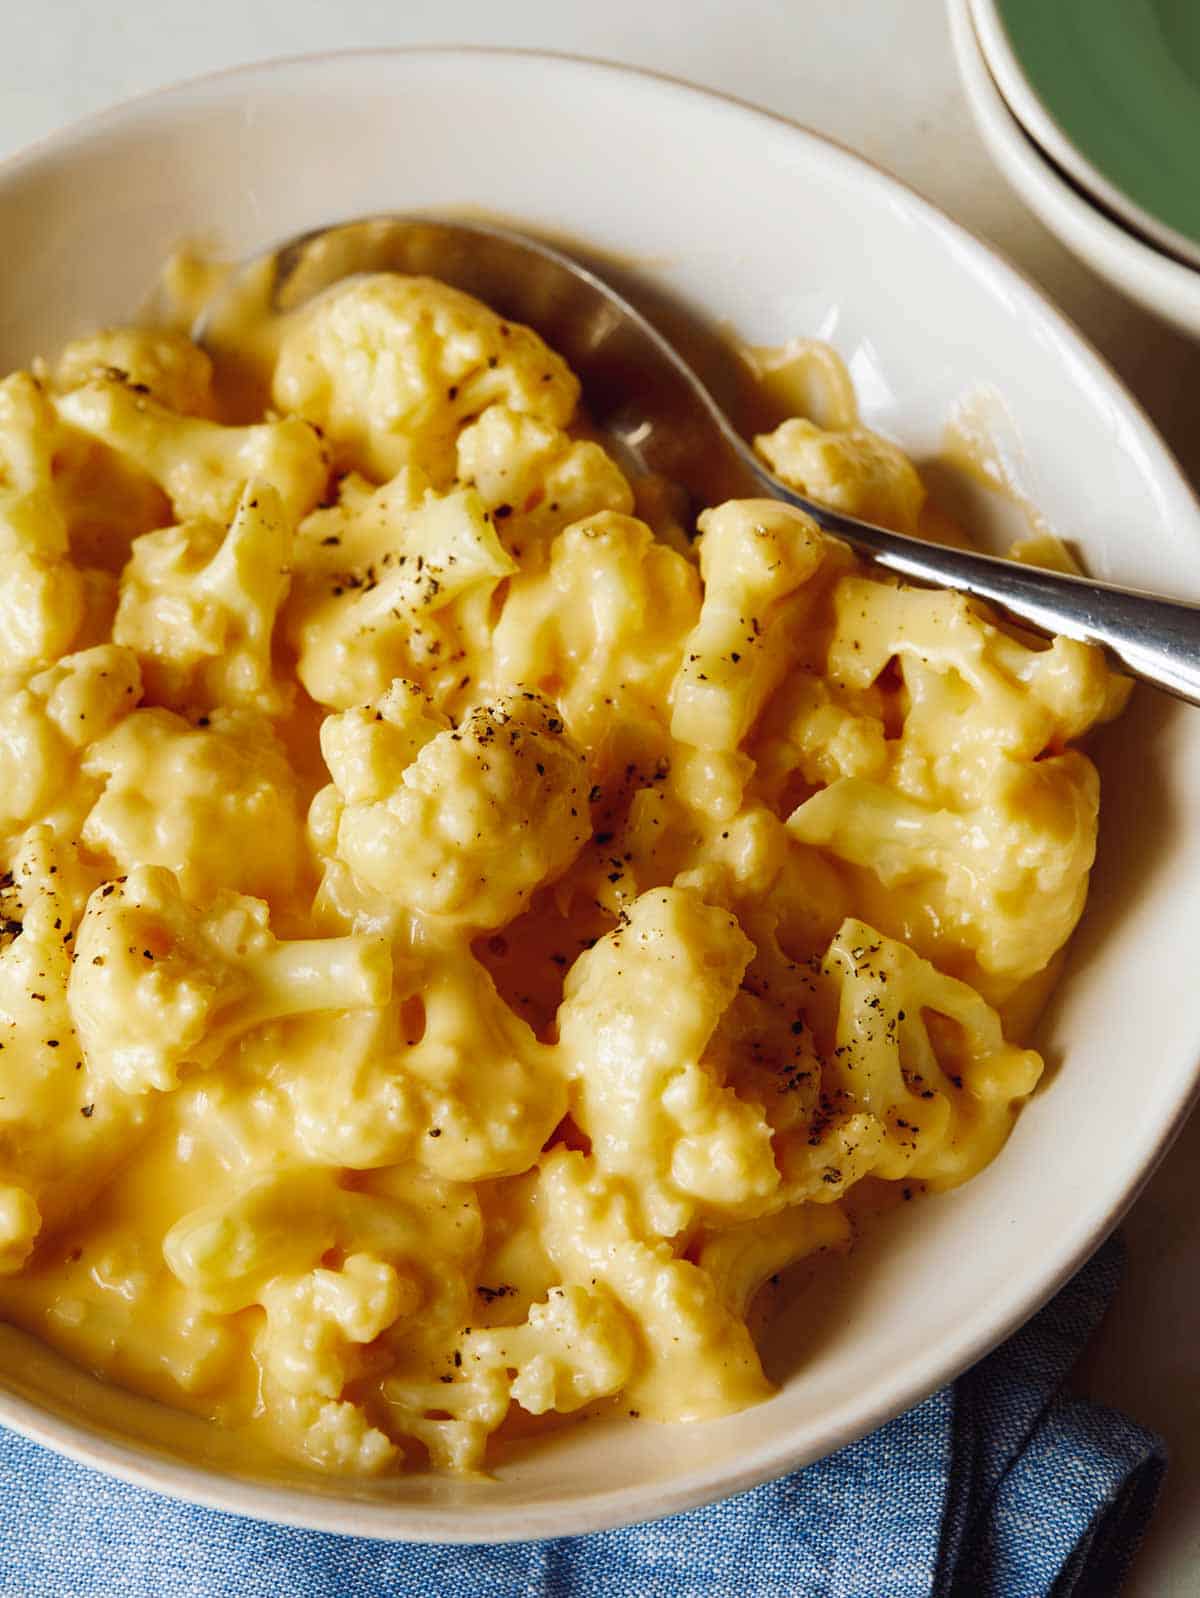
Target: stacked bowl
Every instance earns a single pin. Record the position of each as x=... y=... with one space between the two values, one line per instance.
x=1091 y=108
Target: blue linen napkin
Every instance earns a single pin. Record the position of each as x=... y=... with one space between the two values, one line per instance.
x=999 y=1486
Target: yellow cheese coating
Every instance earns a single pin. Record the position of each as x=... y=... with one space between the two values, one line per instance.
x=455 y=944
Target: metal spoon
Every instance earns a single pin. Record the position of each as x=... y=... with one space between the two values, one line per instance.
x=639 y=390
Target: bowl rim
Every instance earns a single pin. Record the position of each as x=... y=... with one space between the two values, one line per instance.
x=1040 y=123
x=144 y=1465
x=1167 y=287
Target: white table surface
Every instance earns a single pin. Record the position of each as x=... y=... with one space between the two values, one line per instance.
x=877 y=75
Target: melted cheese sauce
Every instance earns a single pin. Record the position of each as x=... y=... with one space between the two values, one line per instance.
x=459 y=936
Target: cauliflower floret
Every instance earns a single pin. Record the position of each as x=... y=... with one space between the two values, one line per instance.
x=283 y=1223
x=1005 y=880
x=343 y=903
x=333 y=1435
x=42 y=609
x=804 y=377
x=40 y=898
x=924 y=1057
x=811 y=734
x=477 y=1124
x=342 y=1075
x=158 y=982
x=576 y=1347
x=453 y=1418
x=315 y=1321
x=75 y=490
x=51 y=501
x=974 y=696
x=936 y=743
x=152 y=361
x=856 y=472
x=416 y=609
x=200 y=465
x=230 y=1250
x=390 y=367
x=820 y=1164
x=216 y=803
x=535 y=479
x=764 y=1047
x=637 y=1014
x=368 y=749
x=86 y=694
x=403 y=1084
x=45 y=725
x=61 y=1130
x=480 y=818
x=697 y=1359
x=42 y=599
x=107 y=500
x=691 y=826
x=198 y=605
x=605 y=622
x=742 y=1257
x=31 y=518
x=44 y=863
x=364 y=524
x=759 y=560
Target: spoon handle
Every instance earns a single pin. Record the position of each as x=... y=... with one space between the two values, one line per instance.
x=1148 y=637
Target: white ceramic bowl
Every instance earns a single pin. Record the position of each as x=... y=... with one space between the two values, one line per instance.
x=777 y=232
x=1155 y=280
